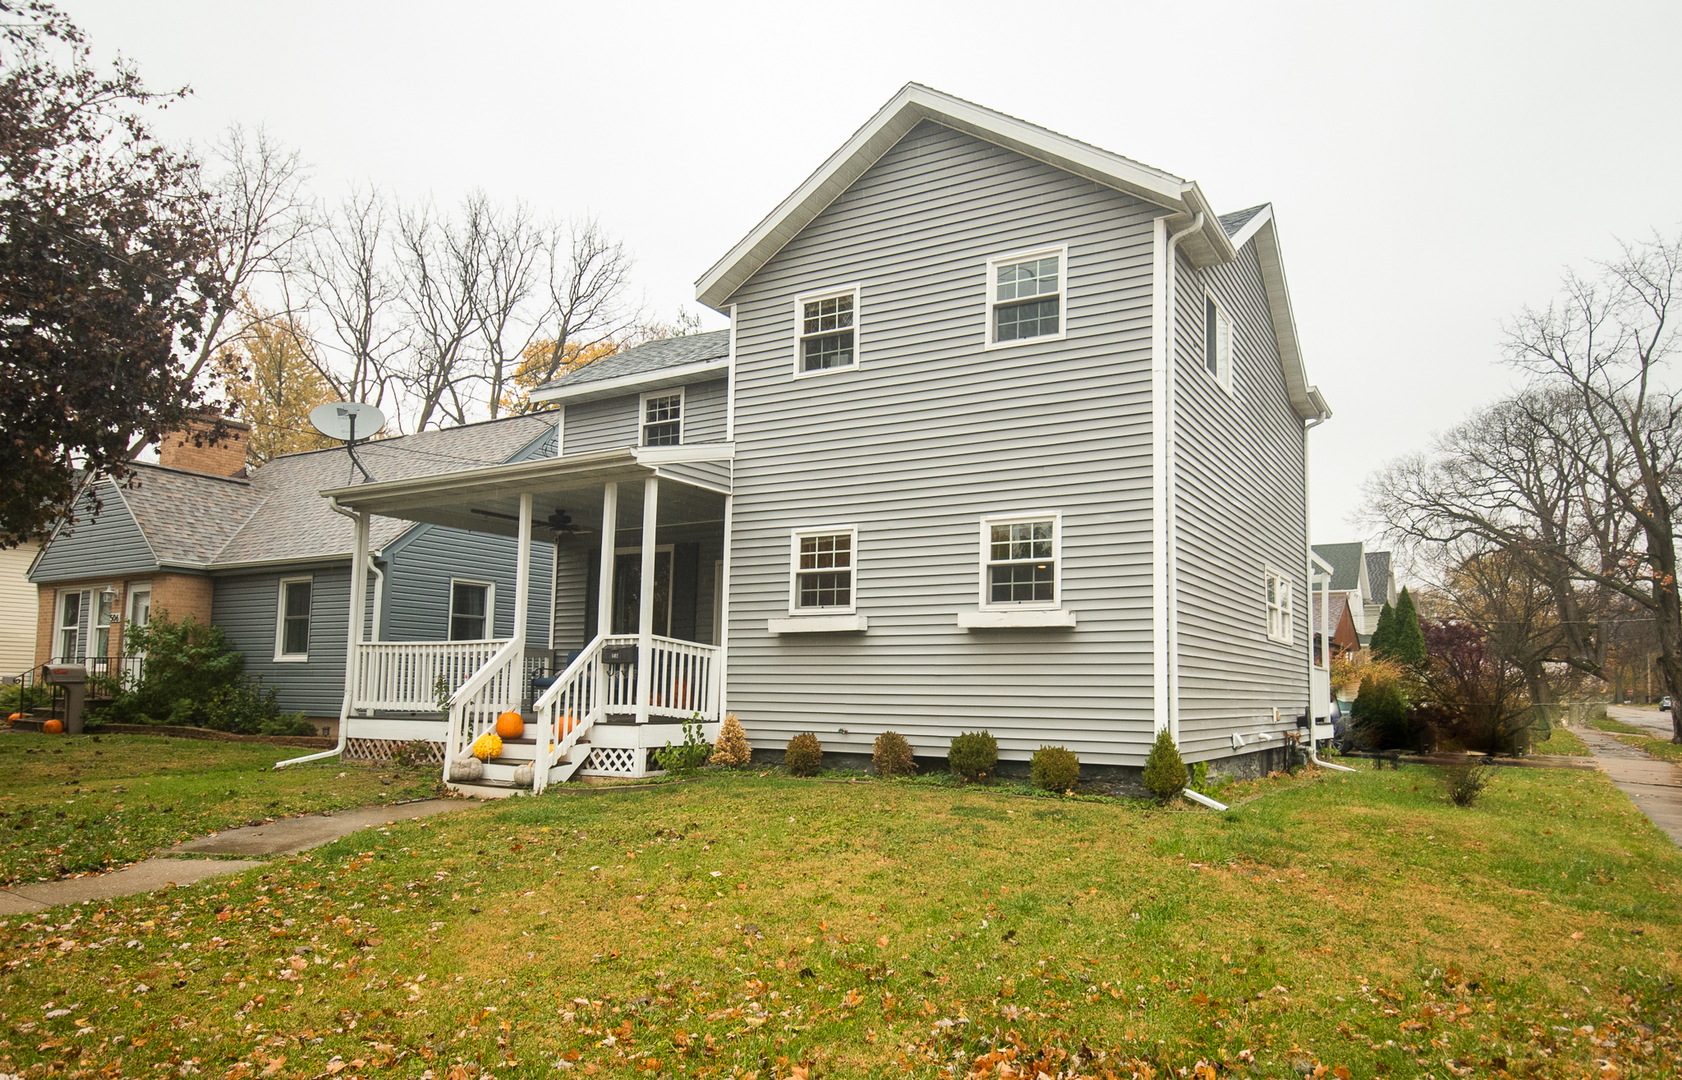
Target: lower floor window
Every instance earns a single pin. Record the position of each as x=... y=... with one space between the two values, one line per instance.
x=1278 y=606
x=1019 y=559
x=823 y=574
x=294 y=636
x=469 y=605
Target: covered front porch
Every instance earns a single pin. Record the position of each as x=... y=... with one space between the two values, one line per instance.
x=622 y=666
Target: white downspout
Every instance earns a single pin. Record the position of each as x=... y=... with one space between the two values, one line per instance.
x=359 y=561
x=1325 y=630
x=379 y=596
x=1170 y=502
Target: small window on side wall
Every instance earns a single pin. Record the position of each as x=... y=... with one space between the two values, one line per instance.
x=1020 y=562
x=1217 y=342
x=1026 y=294
x=662 y=418
x=1278 y=597
x=822 y=571
x=470 y=607
x=826 y=337
x=292 y=634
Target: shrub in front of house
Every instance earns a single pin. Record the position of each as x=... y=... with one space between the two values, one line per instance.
x=1165 y=771
x=892 y=755
x=1055 y=768
x=731 y=749
x=973 y=754
x=804 y=755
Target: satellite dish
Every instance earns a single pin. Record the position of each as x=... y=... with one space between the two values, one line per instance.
x=347 y=421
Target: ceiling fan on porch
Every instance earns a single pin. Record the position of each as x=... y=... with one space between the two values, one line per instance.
x=560 y=522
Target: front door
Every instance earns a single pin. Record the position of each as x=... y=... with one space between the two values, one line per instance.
x=627 y=591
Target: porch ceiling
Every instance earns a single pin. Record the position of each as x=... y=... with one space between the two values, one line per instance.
x=488 y=500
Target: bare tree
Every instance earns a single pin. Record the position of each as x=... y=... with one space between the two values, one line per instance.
x=348 y=281
x=588 y=278
x=513 y=248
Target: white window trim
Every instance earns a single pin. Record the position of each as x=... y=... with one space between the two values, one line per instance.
x=280 y=655
x=1287 y=609
x=85 y=598
x=490 y=609
x=858 y=329
x=1222 y=376
x=985 y=548
x=795 y=611
x=993 y=264
x=682 y=414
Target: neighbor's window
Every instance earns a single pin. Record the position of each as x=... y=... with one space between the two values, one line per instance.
x=823 y=570
x=1217 y=342
x=292 y=637
x=470 y=605
x=70 y=626
x=1278 y=606
x=1019 y=561
x=662 y=419
x=1025 y=296
x=828 y=332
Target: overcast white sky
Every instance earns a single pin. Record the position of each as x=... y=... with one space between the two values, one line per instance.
x=1434 y=166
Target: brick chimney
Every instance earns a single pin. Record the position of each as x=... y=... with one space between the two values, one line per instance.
x=192 y=449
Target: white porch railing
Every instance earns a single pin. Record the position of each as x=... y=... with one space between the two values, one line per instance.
x=404 y=676
x=568 y=709
x=491 y=691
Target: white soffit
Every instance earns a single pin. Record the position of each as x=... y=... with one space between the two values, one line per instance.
x=915 y=103
x=1305 y=399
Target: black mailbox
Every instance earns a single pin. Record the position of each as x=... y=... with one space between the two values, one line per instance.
x=619 y=654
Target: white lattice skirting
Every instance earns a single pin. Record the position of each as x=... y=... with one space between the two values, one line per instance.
x=387 y=750
x=612 y=761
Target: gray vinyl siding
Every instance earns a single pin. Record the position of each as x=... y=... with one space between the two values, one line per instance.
x=110 y=543
x=930 y=434
x=573 y=571
x=246 y=607
x=612 y=423
x=571 y=577
x=1240 y=465
x=420 y=567
x=709 y=474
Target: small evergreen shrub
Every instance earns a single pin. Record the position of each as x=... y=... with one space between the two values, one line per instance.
x=973 y=754
x=1055 y=768
x=892 y=755
x=804 y=755
x=732 y=749
x=1165 y=770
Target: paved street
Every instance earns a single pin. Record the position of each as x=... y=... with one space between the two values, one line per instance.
x=1654 y=721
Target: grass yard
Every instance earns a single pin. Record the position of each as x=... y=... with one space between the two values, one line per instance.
x=76 y=803
x=1562 y=740
x=752 y=925
x=1616 y=727
x=1663 y=749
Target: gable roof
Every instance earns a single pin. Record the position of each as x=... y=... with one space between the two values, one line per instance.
x=640 y=367
x=1337 y=609
x=1218 y=240
x=1345 y=560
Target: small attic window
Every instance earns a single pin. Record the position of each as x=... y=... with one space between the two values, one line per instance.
x=1217 y=342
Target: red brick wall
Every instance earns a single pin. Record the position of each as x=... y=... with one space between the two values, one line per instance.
x=191 y=449
x=180 y=594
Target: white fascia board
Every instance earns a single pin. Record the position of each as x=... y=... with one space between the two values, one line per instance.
x=1209 y=245
x=1307 y=400
x=676 y=455
x=258 y=564
x=1005 y=620
x=632 y=384
x=1252 y=227
x=913 y=104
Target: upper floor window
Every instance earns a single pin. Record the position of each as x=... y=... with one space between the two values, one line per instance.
x=1026 y=295
x=662 y=418
x=1217 y=342
x=1019 y=561
x=828 y=337
x=822 y=574
x=292 y=632
x=1279 y=620
x=470 y=606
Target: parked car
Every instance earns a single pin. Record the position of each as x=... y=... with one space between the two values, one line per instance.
x=1664 y=703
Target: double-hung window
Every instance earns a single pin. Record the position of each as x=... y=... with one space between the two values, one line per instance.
x=1217 y=342
x=1278 y=597
x=470 y=606
x=828 y=331
x=1026 y=296
x=292 y=630
x=1020 y=562
x=662 y=418
x=822 y=572
x=72 y=606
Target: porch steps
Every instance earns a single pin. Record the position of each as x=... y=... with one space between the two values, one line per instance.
x=498 y=781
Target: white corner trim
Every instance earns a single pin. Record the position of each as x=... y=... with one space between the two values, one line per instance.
x=1004 y=620
x=818 y=624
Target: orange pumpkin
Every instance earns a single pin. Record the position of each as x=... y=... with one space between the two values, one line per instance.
x=14 y=718
x=52 y=727
x=510 y=725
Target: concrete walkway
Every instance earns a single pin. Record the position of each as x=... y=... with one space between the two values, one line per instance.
x=1654 y=786
x=282 y=837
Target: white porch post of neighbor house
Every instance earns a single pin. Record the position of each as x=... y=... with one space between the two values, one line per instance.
x=522 y=577
x=645 y=612
x=604 y=577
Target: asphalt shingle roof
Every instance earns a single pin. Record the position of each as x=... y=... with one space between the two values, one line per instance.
x=1346 y=564
x=650 y=357
x=1239 y=218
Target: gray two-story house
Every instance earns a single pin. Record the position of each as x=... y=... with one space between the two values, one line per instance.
x=1007 y=432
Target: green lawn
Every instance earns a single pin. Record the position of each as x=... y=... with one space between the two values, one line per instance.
x=76 y=803
x=1616 y=726
x=751 y=924
x=1562 y=740
x=1663 y=749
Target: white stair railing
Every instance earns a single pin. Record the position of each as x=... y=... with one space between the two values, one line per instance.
x=492 y=690
x=569 y=708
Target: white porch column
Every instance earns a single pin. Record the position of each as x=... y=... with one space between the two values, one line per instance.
x=645 y=612
x=522 y=577
x=358 y=615
x=604 y=577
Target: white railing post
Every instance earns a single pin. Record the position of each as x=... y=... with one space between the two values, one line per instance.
x=604 y=577
x=645 y=613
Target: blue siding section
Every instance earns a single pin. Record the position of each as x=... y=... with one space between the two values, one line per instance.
x=110 y=545
x=247 y=606
x=419 y=570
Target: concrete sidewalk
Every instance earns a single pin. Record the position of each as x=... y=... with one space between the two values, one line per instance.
x=1654 y=786
x=282 y=837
